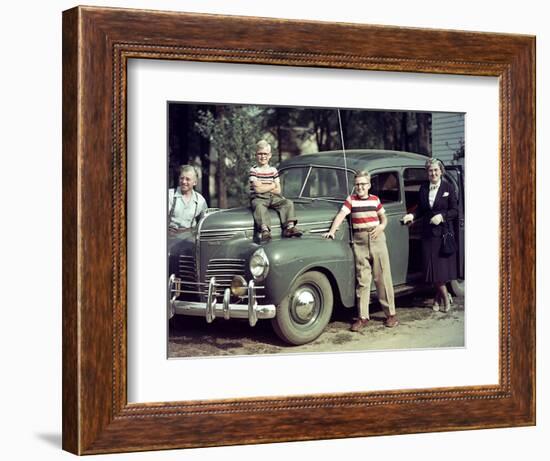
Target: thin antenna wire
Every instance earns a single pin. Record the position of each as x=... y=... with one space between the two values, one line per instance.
x=344 y=151
x=350 y=231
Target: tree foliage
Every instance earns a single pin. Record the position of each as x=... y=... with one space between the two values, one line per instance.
x=360 y=129
x=233 y=132
x=222 y=138
x=459 y=152
x=186 y=146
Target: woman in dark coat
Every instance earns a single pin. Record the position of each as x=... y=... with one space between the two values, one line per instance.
x=437 y=208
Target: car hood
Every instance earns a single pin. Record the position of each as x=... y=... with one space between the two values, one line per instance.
x=308 y=212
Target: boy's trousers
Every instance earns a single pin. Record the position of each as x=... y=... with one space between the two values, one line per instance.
x=372 y=261
x=260 y=204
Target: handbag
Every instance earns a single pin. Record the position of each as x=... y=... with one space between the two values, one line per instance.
x=448 y=242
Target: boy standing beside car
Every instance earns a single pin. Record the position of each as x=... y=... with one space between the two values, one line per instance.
x=265 y=193
x=368 y=220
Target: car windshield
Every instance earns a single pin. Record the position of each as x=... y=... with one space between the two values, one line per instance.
x=315 y=183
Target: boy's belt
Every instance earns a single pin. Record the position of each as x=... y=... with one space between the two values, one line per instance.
x=367 y=229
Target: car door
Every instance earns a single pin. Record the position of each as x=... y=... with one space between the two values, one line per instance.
x=413 y=178
x=455 y=175
x=387 y=186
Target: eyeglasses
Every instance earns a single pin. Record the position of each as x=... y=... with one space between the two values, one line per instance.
x=362 y=184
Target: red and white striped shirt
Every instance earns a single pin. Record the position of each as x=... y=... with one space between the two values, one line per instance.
x=364 y=212
x=266 y=175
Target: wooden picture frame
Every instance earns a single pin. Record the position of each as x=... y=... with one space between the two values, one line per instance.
x=97 y=43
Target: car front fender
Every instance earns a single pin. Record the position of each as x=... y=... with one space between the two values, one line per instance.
x=289 y=258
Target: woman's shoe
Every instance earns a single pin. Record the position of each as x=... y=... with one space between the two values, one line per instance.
x=447 y=306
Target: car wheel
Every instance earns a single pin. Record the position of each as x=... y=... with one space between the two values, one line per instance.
x=456 y=287
x=306 y=310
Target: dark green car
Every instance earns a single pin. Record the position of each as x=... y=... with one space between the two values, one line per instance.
x=223 y=270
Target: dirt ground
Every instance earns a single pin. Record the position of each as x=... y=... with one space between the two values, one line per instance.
x=420 y=327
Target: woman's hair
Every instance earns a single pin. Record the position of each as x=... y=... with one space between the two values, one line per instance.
x=435 y=161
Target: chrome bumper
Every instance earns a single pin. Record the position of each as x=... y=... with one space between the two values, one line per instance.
x=213 y=308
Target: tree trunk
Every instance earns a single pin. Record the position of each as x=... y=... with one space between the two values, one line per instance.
x=424 y=121
x=205 y=166
x=222 y=187
x=221 y=170
x=280 y=142
x=389 y=130
x=346 y=118
x=405 y=145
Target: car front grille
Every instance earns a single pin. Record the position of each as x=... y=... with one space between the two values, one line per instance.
x=224 y=270
x=187 y=270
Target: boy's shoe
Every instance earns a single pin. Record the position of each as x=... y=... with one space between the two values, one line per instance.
x=292 y=232
x=391 y=321
x=265 y=235
x=359 y=324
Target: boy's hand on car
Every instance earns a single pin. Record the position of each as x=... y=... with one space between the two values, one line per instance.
x=329 y=235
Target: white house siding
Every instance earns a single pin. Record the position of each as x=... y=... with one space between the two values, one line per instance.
x=447 y=134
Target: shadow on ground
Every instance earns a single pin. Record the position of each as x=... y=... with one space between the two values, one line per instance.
x=193 y=337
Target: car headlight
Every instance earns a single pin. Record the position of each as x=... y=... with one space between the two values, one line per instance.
x=259 y=264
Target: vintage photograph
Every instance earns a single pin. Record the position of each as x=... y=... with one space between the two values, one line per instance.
x=306 y=230
x=264 y=227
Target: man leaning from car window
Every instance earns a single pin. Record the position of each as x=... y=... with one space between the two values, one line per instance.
x=368 y=220
x=185 y=205
x=265 y=194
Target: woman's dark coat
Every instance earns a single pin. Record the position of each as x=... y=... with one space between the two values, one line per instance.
x=437 y=268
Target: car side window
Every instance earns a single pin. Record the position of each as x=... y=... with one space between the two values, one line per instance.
x=386 y=187
x=413 y=178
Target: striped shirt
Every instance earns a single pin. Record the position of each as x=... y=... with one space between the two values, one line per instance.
x=364 y=212
x=266 y=175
